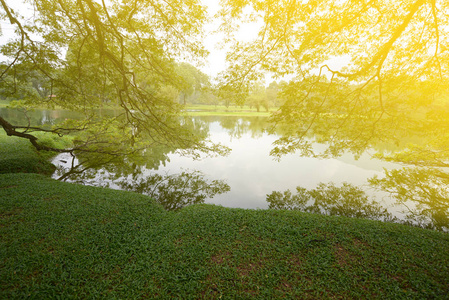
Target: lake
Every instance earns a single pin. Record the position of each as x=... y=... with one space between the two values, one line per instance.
x=249 y=171
x=252 y=173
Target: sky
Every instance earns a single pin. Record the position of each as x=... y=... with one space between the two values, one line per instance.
x=7 y=30
x=217 y=58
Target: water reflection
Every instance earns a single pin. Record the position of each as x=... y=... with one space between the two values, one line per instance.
x=38 y=117
x=422 y=192
x=347 y=200
x=87 y=164
x=177 y=190
x=418 y=196
x=238 y=127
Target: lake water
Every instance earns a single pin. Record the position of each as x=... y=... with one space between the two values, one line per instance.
x=249 y=170
x=252 y=173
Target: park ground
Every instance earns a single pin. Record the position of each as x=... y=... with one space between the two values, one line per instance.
x=62 y=240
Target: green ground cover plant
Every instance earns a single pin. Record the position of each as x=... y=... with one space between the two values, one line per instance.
x=221 y=110
x=4 y=103
x=18 y=155
x=61 y=240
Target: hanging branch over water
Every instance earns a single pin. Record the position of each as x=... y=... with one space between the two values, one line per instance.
x=392 y=84
x=87 y=56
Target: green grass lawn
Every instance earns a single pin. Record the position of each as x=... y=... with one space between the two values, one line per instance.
x=18 y=155
x=61 y=240
x=4 y=103
x=221 y=110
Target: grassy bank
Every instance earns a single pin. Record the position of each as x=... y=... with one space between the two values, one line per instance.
x=65 y=240
x=60 y=240
x=221 y=110
x=18 y=155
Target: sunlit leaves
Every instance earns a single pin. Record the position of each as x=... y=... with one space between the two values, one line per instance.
x=90 y=55
x=396 y=73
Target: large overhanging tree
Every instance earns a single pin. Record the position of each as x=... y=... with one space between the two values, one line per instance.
x=398 y=69
x=392 y=89
x=91 y=54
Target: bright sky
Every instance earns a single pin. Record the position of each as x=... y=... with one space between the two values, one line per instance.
x=7 y=30
x=217 y=57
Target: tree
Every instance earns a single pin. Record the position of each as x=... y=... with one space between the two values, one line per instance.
x=23 y=83
x=394 y=84
x=96 y=53
x=258 y=97
x=193 y=80
x=230 y=96
x=272 y=93
x=398 y=66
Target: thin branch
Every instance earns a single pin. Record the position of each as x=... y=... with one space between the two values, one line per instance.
x=382 y=54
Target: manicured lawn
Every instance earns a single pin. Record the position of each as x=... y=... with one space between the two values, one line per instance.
x=60 y=240
x=221 y=110
x=18 y=155
x=4 y=103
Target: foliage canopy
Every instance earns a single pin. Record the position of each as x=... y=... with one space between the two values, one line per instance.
x=89 y=55
x=394 y=80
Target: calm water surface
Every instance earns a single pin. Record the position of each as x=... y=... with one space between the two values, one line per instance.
x=252 y=173
x=249 y=170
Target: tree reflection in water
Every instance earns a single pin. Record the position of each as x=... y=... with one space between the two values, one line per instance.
x=424 y=192
x=420 y=189
x=347 y=200
x=177 y=190
x=132 y=172
x=406 y=113
x=172 y=191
